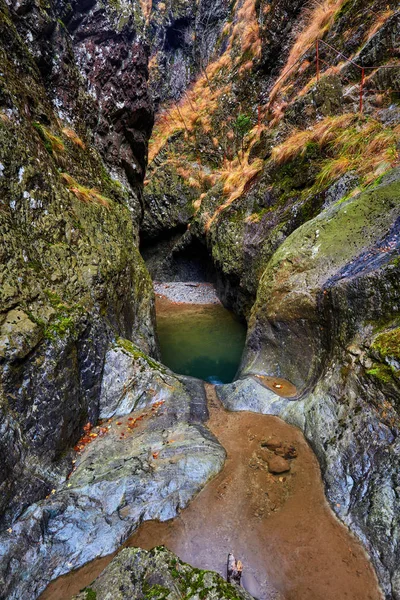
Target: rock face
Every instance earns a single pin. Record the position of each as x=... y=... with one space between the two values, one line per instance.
x=235 y=196
x=136 y=574
x=279 y=178
x=183 y=37
x=74 y=107
x=326 y=318
x=141 y=465
x=283 y=180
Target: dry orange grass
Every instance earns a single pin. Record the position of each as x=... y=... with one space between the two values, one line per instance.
x=87 y=195
x=146 y=6
x=75 y=139
x=351 y=143
x=317 y=21
x=323 y=133
x=378 y=22
x=195 y=110
x=246 y=29
x=236 y=178
x=201 y=101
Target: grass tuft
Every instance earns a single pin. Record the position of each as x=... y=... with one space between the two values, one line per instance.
x=84 y=194
x=70 y=134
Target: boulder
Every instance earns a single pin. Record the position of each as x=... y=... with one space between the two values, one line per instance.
x=138 y=466
x=135 y=574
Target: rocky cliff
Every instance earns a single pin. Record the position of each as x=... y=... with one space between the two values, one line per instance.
x=260 y=159
x=270 y=161
x=75 y=117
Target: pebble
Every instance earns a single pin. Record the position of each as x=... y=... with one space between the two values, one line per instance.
x=277 y=464
x=188 y=292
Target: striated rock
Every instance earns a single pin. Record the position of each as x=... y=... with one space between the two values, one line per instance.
x=145 y=465
x=277 y=464
x=135 y=574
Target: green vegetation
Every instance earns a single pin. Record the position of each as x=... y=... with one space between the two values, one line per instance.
x=388 y=344
x=130 y=348
x=62 y=321
x=90 y=594
x=192 y=581
x=53 y=144
x=242 y=126
x=155 y=592
x=383 y=373
x=345 y=142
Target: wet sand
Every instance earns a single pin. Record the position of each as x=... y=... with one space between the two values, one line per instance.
x=279 y=526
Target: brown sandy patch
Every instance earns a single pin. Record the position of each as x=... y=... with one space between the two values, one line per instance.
x=279 y=526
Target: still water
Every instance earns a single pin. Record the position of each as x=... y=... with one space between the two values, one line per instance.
x=203 y=341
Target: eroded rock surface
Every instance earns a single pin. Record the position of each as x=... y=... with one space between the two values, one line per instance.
x=144 y=465
x=74 y=106
x=326 y=318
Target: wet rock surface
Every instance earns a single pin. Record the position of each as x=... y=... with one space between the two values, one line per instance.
x=315 y=285
x=137 y=573
x=147 y=464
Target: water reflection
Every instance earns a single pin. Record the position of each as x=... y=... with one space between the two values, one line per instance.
x=204 y=341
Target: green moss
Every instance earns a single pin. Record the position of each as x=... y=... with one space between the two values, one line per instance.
x=59 y=327
x=53 y=144
x=63 y=321
x=343 y=10
x=90 y=594
x=388 y=344
x=384 y=373
x=134 y=351
x=396 y=261
x=158 y=592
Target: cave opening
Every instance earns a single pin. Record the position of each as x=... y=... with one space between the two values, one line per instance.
x=198 y=336
x=175 y=35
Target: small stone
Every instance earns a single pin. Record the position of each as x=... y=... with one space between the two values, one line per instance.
x=272 y=443
x=277 y=464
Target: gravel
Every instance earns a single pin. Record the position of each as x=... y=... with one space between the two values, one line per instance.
x=187 y=292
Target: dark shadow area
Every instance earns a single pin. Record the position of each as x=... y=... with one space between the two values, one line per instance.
x=178 y=257
x=175 y=34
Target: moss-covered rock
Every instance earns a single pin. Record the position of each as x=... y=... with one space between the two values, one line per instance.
x=344 y=242
x=160 y=575
x=72 y=278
